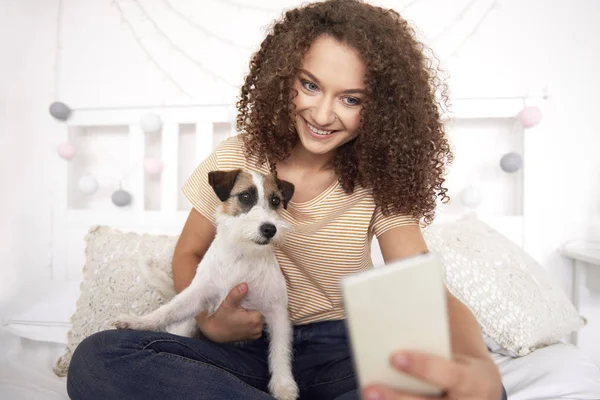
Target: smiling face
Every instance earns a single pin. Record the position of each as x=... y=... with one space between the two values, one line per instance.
x=330 y=88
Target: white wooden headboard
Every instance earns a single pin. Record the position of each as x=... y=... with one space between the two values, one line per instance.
x=506 y=208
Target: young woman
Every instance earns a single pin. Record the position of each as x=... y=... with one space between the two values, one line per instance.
x=340 y=101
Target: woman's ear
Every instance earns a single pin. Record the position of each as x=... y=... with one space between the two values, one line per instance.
x=222 y=182
x=287 y=191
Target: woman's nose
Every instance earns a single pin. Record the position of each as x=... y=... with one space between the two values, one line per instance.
x=323 y=113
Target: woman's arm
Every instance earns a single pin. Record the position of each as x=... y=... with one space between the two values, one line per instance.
x=471 y=373
x=195 y=239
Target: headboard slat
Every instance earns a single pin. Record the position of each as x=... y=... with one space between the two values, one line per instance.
x=204 y=139
x=169 y=181
x=135 y=177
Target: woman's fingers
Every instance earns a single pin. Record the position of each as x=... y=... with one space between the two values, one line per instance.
x=438 y=371
x=385 y=393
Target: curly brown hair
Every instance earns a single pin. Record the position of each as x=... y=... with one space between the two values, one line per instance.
x=401 y=151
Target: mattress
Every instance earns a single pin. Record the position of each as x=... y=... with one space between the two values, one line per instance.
x=560 y=371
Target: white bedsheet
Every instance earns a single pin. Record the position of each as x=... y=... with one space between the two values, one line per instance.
x=26 y=369
x=560 y=371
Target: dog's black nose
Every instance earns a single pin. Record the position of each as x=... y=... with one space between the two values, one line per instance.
x=268 y=230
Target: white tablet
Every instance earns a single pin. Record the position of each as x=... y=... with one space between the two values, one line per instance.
x=394 y=307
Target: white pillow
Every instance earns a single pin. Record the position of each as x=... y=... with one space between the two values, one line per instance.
x=113 y=283
x=514 y=299
x=48 y=317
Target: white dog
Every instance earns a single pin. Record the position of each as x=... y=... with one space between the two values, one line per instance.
x=247 y=225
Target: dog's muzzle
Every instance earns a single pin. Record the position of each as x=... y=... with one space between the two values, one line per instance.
x=268 y=230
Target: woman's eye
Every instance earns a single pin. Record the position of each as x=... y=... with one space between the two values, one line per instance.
x=351 y=101
x=275 y=201
x=311 y=87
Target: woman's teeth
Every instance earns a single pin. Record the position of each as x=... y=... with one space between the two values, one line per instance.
x=318 y=131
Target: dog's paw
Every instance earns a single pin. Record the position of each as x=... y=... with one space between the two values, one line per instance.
x=283 y=388
x=121 y=322
x=129 y=322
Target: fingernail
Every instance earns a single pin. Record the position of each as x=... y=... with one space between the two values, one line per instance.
x=374 y=395
x=400 y=361
x=242 y=289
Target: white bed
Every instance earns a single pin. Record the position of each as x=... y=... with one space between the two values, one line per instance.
x=32 y=339
x=560 y=371
x=26 y=369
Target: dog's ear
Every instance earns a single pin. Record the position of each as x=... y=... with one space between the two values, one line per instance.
x=287 y=190
x=222 y=182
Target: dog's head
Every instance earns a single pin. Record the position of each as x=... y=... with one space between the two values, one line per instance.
x=251 y=203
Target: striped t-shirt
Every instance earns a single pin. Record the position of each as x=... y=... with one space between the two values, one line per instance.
x=331 y=235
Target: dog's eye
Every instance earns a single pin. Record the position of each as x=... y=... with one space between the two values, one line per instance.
x=245 y=198
x=275 y=201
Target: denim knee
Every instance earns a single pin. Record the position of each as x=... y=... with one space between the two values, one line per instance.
x=90 y=347
x=87 y=364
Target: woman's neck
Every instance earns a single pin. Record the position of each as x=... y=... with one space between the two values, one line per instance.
x=302 y=159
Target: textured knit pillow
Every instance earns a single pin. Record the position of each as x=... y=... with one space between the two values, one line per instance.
x=113 y=282
x=515 y=300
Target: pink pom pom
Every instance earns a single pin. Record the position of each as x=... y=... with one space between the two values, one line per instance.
x=66 y=151
x=530 y=116
x=153 y=166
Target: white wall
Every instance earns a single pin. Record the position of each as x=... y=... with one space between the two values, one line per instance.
x=522 y=45
x=27 y=47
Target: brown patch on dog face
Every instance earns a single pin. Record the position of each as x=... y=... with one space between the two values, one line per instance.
x=243 y=195
x=244 y=181
x=222 y=182
x=277 y=192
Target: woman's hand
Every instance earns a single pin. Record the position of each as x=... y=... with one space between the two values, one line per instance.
x=463 y=378
x=231 y=322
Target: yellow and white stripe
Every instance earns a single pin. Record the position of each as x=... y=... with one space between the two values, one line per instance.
x=331 y=235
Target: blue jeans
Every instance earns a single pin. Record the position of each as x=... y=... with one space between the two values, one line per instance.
x=131 y=365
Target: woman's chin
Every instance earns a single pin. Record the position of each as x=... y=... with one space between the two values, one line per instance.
x=317 y=147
